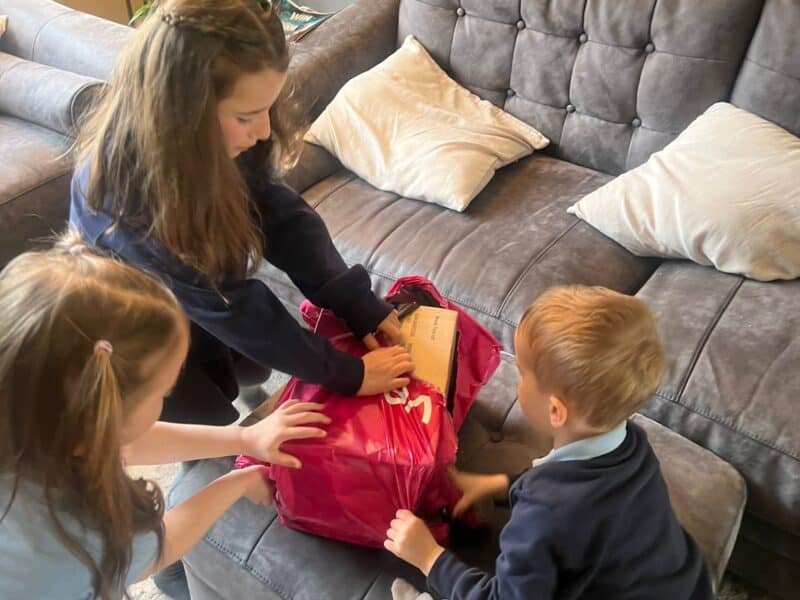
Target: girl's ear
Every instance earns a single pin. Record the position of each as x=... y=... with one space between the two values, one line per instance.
x=558 y=412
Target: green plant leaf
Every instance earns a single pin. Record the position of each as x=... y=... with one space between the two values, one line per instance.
x=142 y=12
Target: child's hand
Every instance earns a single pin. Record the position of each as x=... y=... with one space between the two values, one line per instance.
x=384 y=370
x=290 y=421
x=256 y=485
x=477 y=486
x=410 y=539
x=389 y=327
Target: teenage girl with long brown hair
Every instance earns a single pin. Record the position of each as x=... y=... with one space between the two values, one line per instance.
x=178 y=173
x=89 y=347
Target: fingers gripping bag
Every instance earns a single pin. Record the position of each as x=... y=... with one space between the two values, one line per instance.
x=382 y=452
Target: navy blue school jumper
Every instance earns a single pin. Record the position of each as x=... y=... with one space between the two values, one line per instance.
x=242 y=320
x=587 y=526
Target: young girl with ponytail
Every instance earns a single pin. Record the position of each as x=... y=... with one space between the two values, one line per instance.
x=178 y=174
x=89 y=347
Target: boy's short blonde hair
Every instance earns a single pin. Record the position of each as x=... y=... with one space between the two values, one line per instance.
x=594 y=348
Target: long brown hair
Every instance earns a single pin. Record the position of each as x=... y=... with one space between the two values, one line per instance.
x=63 y=398
x=154 y=144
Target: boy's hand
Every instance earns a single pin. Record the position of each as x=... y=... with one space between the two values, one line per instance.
x=477 y=486
x=292 y=420
x=385 y=369
x=410 y=539
x=389 y=328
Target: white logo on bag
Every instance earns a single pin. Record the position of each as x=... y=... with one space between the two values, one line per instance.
x=401 y=397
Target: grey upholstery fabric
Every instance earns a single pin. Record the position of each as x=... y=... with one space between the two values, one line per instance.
x=494 y=438
x=733 y=369
x=515 y=240
x=352 y=41
x=314 y=165
x=51 y=58
x=51 y=34
x=608 y=81
x=769 y=81
x=697 y=480
x=34 y=187
x=44 y=95
x=732 y=386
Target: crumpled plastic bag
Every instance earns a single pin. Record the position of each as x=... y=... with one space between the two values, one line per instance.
x=383 y=452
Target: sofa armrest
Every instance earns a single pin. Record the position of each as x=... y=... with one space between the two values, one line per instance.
x=51 y=34
x=351 y=42
x=44 y=95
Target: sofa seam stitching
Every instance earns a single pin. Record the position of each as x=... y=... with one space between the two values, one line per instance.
x=73 y=117
x=388 y=233
x=260 y=537
x=224 y=549
x=41 y=28
x=371 y=585
x=771 y=70
x=725 y=423
x=533 y=262
x=514 y=50
x=639 y=83
x=33 y=188
x=330 y=193
x=701 y=343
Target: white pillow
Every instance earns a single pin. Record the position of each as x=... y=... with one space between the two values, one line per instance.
x=725 y=192
x=406 y=127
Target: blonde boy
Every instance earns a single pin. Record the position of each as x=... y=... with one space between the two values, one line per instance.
x=592 y=518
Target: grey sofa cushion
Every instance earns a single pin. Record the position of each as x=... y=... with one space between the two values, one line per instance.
x=609 y=82
x=248 y=554
x=515 y=240
x=733 y=380
x=350 y=42
x=34 y=188
x=769 y=81
x=44 y=95
x=51 y=34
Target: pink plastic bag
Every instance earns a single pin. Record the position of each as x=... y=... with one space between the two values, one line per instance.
x=382 y=452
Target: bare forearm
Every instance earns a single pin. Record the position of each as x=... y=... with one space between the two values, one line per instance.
x=186 y=524
x=169 y=442
x=499 y=486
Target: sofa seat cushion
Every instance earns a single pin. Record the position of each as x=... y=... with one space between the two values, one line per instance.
x=733 y=381
x=34 y=188
x=249 y=554
x=515 y=240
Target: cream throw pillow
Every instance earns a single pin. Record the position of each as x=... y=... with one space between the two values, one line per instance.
x=3 y=24
x=406 y=127
x=725 y=192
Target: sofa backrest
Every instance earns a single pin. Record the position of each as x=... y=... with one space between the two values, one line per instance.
x=52 y=34
x=612 y=81
x=769 y=80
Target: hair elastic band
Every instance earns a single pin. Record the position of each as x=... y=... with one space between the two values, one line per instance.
x=104 y=346
x=170 y=18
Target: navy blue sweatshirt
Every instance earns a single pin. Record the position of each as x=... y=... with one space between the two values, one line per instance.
x=601 y=528
x=245 y=315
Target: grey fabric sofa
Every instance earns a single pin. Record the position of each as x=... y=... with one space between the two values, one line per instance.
x=52 y=63
x=609 y=82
